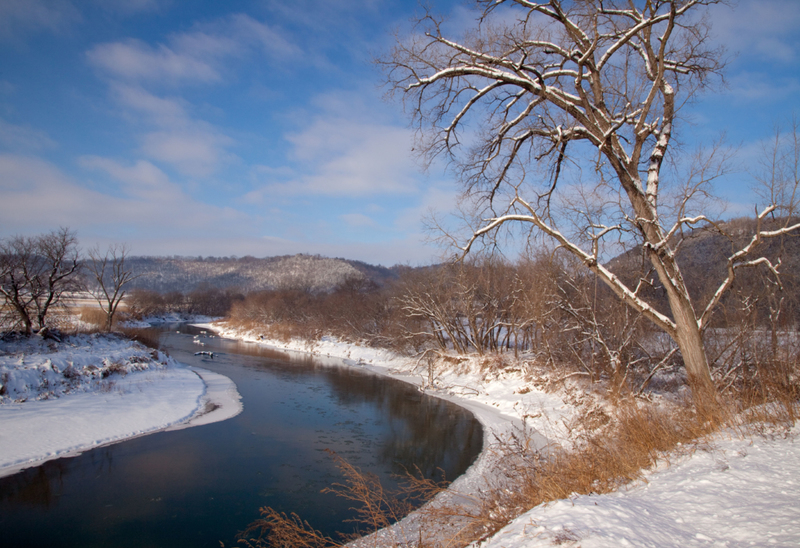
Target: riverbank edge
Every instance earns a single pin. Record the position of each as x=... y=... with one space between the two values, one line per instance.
x=465 y=489
x=219 y=401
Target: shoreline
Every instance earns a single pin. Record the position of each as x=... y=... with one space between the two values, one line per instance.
x=97 y=417
x=496 y=425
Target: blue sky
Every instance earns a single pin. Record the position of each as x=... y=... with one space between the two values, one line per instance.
x=259 y=127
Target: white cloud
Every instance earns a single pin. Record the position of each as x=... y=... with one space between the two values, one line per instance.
x=196 y=153
x=169 y=112
x=436 y=200
x=267 y=38
x=134 y=60
x=141 y=180
x=763 y=28
x=200 y=55
x=358 y=220
x=344 y=157
x=18 y=17
x=17 y=137
x=37 y=196
x=194 y=147
x=752 y=86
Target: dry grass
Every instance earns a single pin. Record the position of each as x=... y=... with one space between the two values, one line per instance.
x=637 y=436
x=612 y=446
x=523 y=477
x=375 y=507
x=92 y=315
x=281 y=330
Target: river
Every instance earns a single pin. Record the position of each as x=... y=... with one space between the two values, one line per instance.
x=202 y=485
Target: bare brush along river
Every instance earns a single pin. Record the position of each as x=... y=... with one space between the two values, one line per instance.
x=202 y=485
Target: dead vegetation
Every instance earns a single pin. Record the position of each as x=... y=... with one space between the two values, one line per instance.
x=611 y=443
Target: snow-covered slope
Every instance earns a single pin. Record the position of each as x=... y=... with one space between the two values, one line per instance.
x=58 y=399
x=735 y=493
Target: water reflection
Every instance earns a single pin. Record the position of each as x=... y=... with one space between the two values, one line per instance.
x=198 y=486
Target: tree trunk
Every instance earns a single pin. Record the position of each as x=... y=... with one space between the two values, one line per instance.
x=690 y=342
x=687 y=334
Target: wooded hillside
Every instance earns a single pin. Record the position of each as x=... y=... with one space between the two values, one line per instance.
x=248 y=274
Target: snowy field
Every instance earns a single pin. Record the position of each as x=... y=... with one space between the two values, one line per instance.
x=58 y=399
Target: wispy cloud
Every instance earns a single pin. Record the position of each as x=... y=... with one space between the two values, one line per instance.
x=197 y=56
x=134 y=60
x=20 y=17
x=348 y=148
x=141 y=180
x=358 y=220
x=159 y=110
x=759 y=28
x=202 y=55
x=38 y=195
x=193 y=153
x=268 y=39
x=194 y=147
x=750 y=86
x=24 y=137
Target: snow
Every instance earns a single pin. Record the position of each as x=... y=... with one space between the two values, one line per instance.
x=58 y=399
x=55 y=401
x=739 y=492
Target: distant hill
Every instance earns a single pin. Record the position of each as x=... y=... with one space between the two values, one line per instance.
x=311 y=272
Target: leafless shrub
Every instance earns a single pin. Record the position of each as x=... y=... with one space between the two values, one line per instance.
x=375 y=507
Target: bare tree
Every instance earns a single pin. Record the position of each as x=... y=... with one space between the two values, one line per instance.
x=36 y=274
x=111 y=275
x=588 y=89
x=16 y=256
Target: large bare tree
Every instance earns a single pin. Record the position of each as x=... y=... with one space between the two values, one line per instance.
x=559 y=115
x=111 y=276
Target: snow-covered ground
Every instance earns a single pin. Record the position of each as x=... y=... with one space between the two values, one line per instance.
x=732 y=492
x=737 y=493
x=58 y=399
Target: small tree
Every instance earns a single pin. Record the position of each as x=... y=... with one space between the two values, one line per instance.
x=36 y=273
x=111 y=275
x=588 y=91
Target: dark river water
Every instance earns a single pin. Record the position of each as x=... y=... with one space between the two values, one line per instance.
x=202 y=485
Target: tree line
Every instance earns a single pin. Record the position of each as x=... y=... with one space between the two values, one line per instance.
x=543 y=308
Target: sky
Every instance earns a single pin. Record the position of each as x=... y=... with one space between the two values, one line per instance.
x=261 y=127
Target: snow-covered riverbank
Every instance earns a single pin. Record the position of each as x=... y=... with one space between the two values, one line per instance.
x=731 y=492
x=59 y=399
